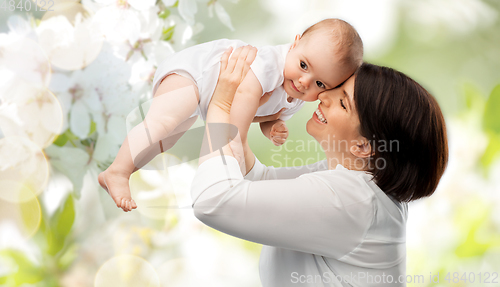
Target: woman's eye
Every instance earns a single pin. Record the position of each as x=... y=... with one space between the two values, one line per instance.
x=303 y=65
x=342 y=104
x=320 y=84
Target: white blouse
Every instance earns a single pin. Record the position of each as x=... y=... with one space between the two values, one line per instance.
x=319 y=227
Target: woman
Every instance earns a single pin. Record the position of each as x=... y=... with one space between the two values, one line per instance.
x=340 y=222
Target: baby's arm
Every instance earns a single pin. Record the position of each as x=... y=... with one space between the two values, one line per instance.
x=275 y=130
x=245 y=105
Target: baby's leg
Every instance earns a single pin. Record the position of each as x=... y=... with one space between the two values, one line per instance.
x=173 y=103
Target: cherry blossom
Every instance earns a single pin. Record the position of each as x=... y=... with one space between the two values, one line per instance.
x=70 y=47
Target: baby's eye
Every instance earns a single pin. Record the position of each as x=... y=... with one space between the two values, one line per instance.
x=320 y=84
x=303 y=65
x=342 y=104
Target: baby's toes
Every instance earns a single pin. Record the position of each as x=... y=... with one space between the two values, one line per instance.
x=278 y=141
x=134 y=205
x=118 y=202
x=278 y=134
x=100 y=179
x=123 y=204
x=129 y=205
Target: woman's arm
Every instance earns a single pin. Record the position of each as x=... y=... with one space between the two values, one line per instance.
x=305 y=214
x=232 y=72
x=262 y=172
x=324 y=215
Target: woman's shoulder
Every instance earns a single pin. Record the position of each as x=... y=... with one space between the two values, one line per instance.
x=357 y=190
x=349 y=184
x=359 y=187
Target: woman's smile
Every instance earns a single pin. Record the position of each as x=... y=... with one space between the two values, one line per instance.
x=319 y=117
x=332 y=117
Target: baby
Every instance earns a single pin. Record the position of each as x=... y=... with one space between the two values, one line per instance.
x=323 y=57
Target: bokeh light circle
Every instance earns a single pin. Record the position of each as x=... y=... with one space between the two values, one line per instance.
x=22 y=209
x=174 y=273
x=24 y=170
x=68 y=9
x=35 y=112
x=46 y=4
x=24 y=58
x=70 y=44
x=126 y=271
x=153 y=190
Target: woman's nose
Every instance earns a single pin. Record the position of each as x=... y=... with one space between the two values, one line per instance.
x=323 y=97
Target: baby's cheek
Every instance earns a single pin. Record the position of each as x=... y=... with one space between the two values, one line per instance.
x=312 y=97
x=316 y=96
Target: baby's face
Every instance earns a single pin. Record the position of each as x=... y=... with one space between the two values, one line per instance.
x=312 y=67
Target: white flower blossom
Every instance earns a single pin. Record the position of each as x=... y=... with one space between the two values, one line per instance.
x=118 y=24
x=223 y=16
x=70 y=47
x=21 y=26
x=169 y=3
x=28 y=110
x=23 y=169
x=221 y=13
x=187 y=10
x=150 y=24
x=142 y=4
x=24 y=58
x=70 y=77
x=100 y=93
x=458 y=16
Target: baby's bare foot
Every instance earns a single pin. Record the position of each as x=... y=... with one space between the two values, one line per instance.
x=116 y=184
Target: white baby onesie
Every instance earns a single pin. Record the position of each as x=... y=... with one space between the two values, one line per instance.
x=201 y=63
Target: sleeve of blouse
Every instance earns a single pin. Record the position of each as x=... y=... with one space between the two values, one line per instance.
x=266 y=68
x=288 y=113
x=304 y=214
x=262 y=172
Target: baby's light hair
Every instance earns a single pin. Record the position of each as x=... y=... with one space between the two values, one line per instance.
x=344 y=37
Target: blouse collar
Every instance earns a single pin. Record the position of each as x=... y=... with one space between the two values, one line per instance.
x=365 y=173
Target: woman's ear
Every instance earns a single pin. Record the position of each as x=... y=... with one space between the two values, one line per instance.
x=296 y=41
x=362 y=149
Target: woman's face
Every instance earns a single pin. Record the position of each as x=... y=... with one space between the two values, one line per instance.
x=335 y=123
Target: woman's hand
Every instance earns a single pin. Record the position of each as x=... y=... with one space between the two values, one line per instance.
x=232 y=72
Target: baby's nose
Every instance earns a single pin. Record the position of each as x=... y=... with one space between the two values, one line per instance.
x=305 y=81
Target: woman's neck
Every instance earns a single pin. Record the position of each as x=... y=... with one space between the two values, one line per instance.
x=347 y=160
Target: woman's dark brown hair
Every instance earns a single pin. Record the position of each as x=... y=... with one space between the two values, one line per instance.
x=406 y=129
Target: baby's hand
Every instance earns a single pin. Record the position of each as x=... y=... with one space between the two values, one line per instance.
x=279 y=133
